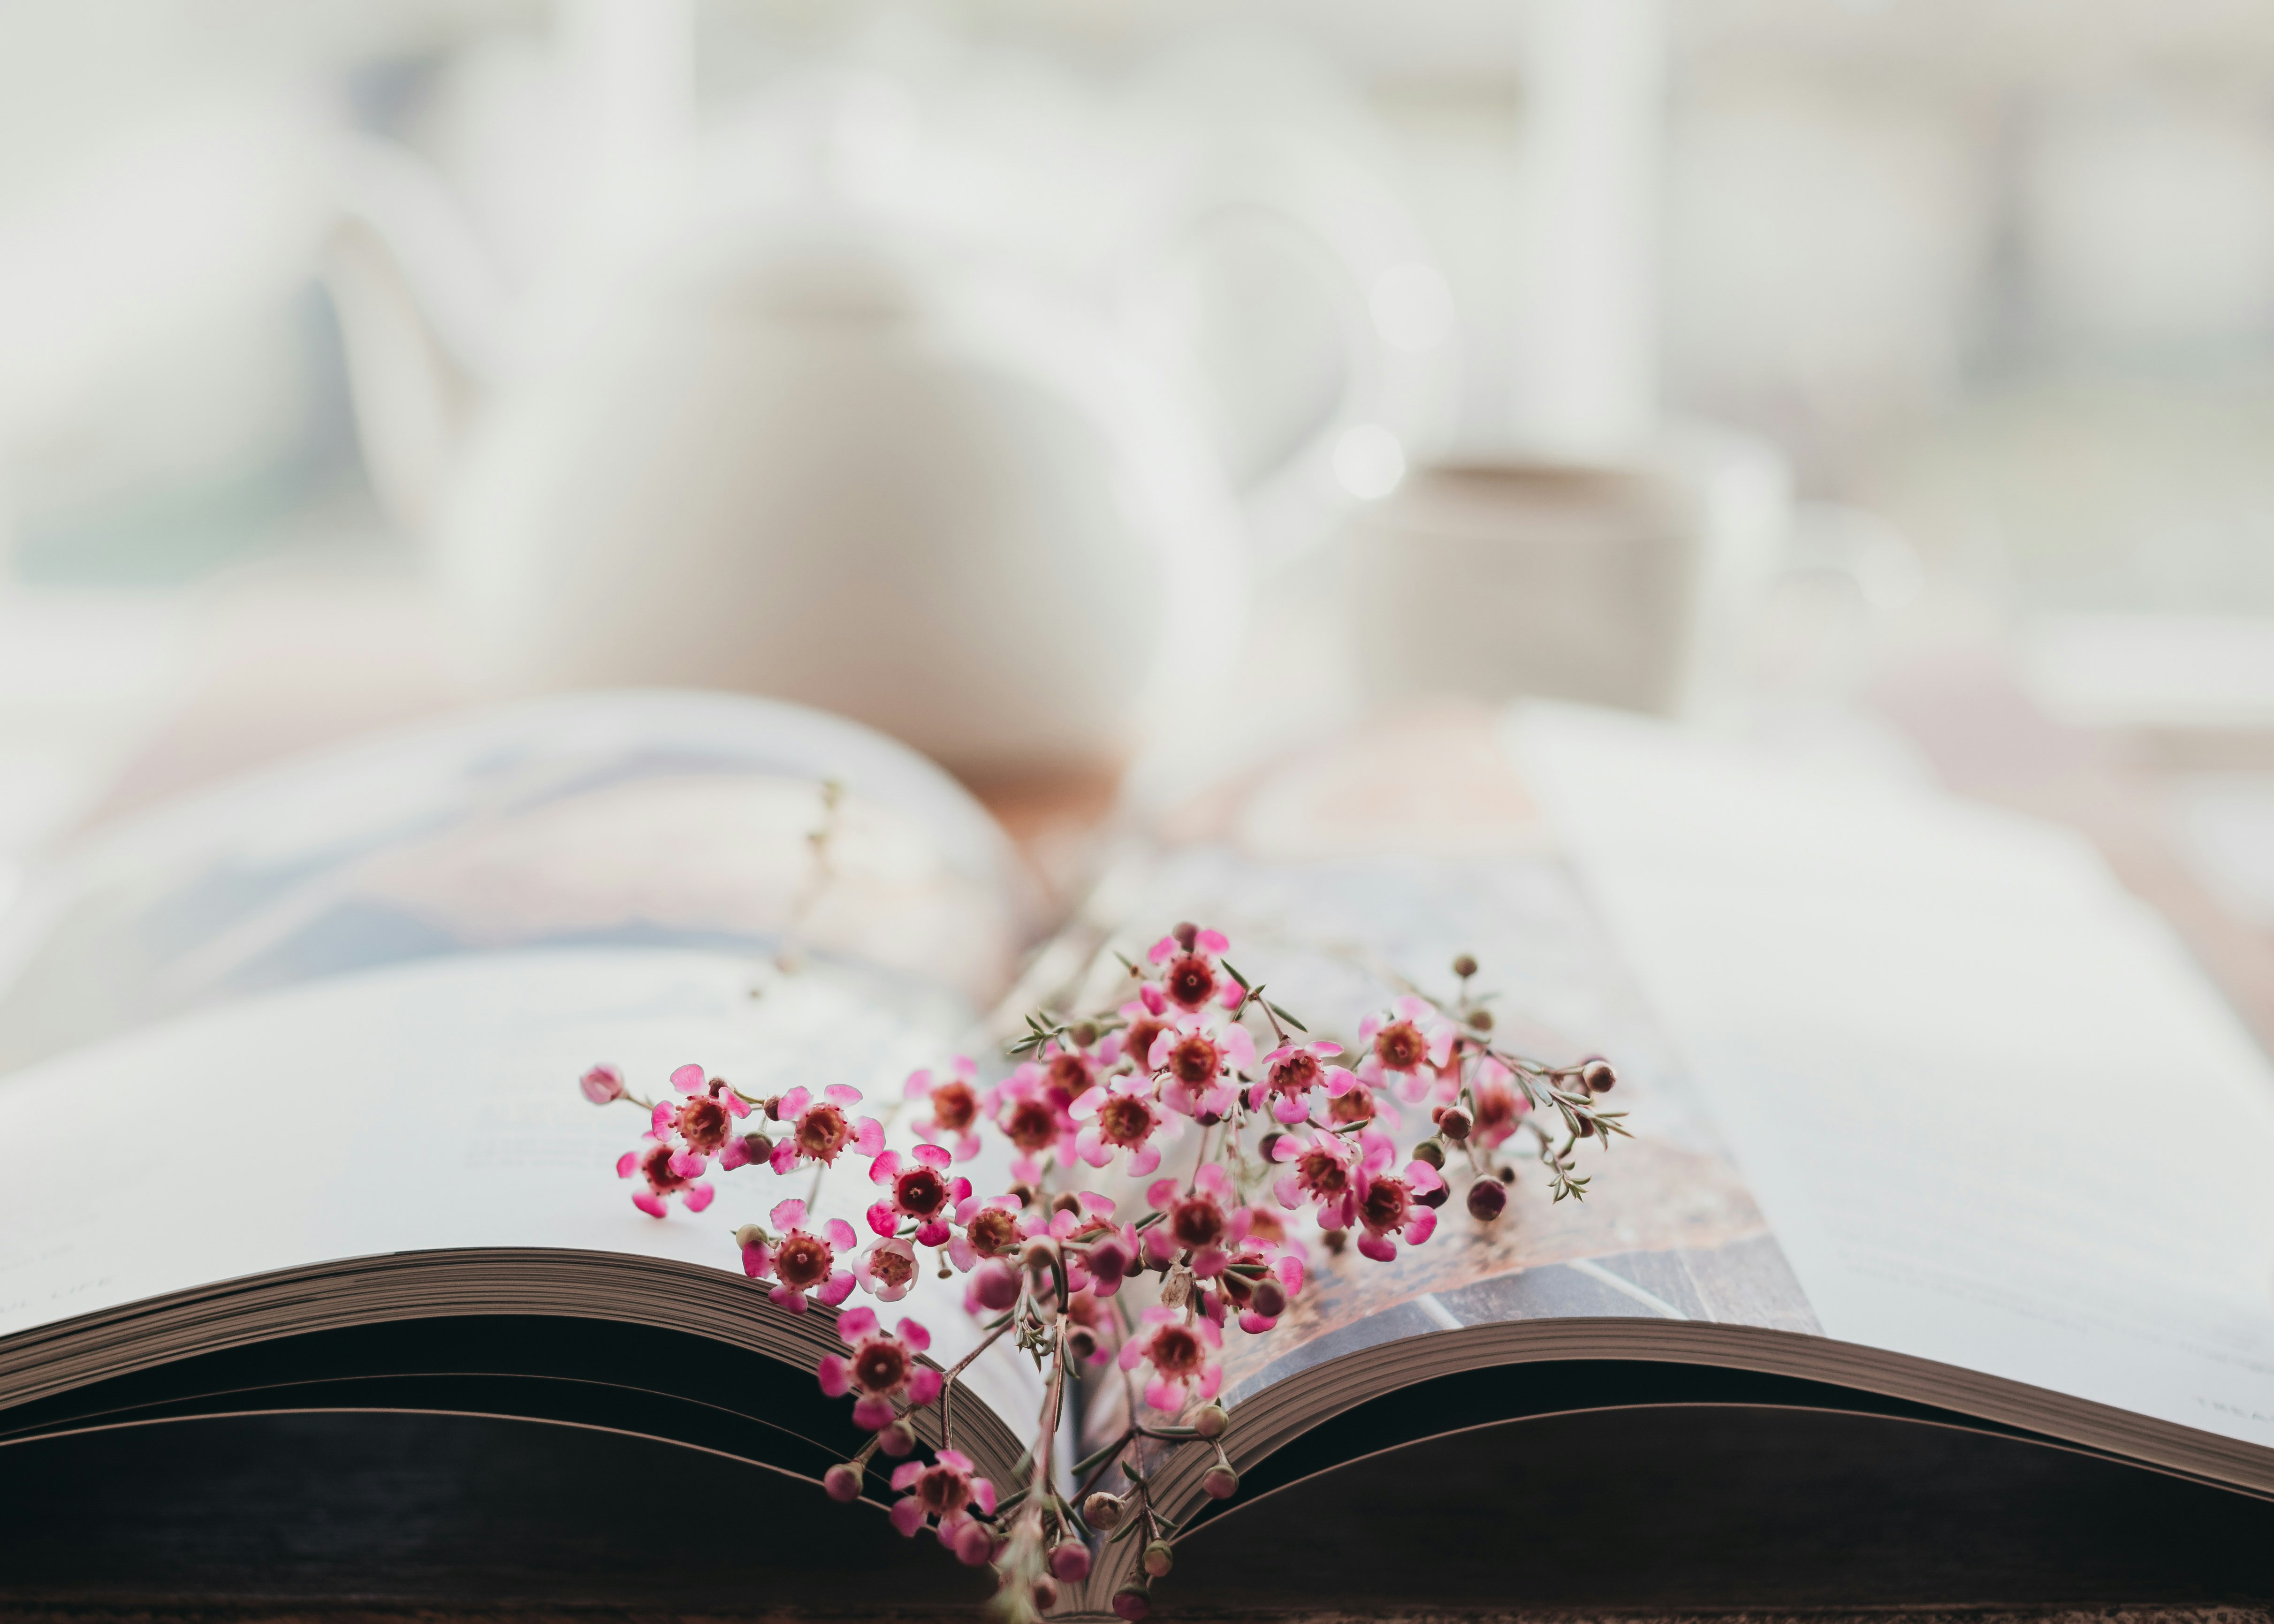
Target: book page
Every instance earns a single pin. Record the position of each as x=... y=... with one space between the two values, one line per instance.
x=1339 y=873
x=434 y=1105
x=1995 y=1116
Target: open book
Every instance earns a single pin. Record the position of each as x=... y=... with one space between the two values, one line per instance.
x=1941 y=1267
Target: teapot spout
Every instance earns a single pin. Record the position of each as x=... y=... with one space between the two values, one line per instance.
x=421 y=311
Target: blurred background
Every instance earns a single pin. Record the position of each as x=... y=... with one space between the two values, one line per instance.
x=1085 y=391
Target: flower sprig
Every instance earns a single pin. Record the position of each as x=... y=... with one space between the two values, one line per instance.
x=1292 y=1136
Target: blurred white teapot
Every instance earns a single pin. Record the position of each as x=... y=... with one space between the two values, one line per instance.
x=826 y=464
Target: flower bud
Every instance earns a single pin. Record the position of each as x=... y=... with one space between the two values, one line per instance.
x=1024 y=1194
x=1131 y=1602
x=1599 y=1077
x=1158 y=1559
x=1110 y=1260
x=1221 y=1482
x=1038 y=1258
x=975 y=1543
x=1084 y=1033
x=1586 y=1127
x=758 y=1147
x=1464 y=967
x=1506 y=1175
x=1430 y=1152
x=771 y=1108
x=1487 y=1199
x=1269 y=1143
x=1070 y=1561
x=1103 y=1512
x=749 y=1236
x=602 y=1083
x=897 y=1439
x=1082 y=1342
x=1269 y=1299
x=1455 y=1125
x=1481 y=1020
x=1067 y=1201
x=995 y=1285
x=1431 y=1198
x=1045 y=1590
x=842 y=1482
x=1211 y=1420
x=1185 y=933
x=1334 y=1240
x=1208 y=1119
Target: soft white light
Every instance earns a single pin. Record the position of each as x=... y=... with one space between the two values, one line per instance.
x=1369 y=462
x=1413 y=307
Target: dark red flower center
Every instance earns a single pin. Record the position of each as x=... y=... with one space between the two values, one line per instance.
x=920 y=1192
x=1324 y=1173
x=1125 y=1120
x=1400 y=1046
x=1196 y=1221
x=1387 y=1202
x=943 y=1491
x=1496 y=1105
x=803 y=1260
x=1176 y=1353
x=1295 y=1074
x=656 y=1165
x=1137 y=1043
x=1354 y=1105
x=891 y=1268
x=1069 y=1073
x=703 y=1124
x=1195 y=1062
x=821 y=1132
x=1264 y=1225
x=1031 y=1124
x=992 y=1231
x=880 y=1366
x=954 y=1105
x=1189 y=979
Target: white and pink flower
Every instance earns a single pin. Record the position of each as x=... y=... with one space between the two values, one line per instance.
x=1193 y=976
x=657 y=1167
x=1032 y=1111
x=1199 y=1221
x=882 y=1370
x=1321 y=1171
x=886 y=1268
x=821 y=1129
x=1499 y=1104
x=996 y=1227
x=917 y=1190
x=1143 y=1019
x=1182 y=1351
x=704 y=1123
x=603 y=1085
x=1193 y=1058
x=952 y=1097
x=1292 y=1072
x=800 y=1261
x=1406 y=1045
x=1121 y=1114
x=946 y=1491
x=1387 y=1204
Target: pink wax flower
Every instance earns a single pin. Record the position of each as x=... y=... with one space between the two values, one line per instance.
x=1032 y=1112
x=1387 y=1209
x=919 y=1189
x=1121 y=1113
x=1285 y=1271
x=881 y=1369
x=1192 y=1057
x=1182 y=1351
x=952 y=1098
x=994 y=1228
x=945 y=1489
x=703 y=1122
x=1404 y=1046
x=1143 y=1018
x=1068 y=1072
x=886 y=1268
x=1321 y=1170
x=1099 y=1250
x=1191 y=971
x=820 y=1130
x=1199 y=1221
x=1359 y=1103
x=800 y=1259
x=602 y=1085
x=1500 y=1105
x=1291 y=1072
x=657 y=1168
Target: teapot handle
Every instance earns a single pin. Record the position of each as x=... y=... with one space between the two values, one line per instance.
x=1365 y=256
